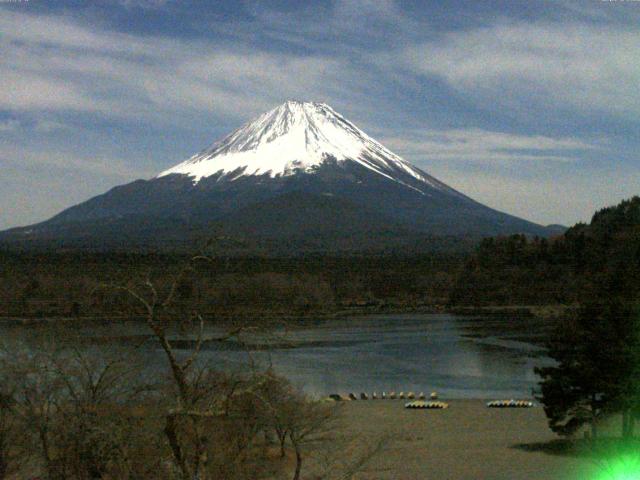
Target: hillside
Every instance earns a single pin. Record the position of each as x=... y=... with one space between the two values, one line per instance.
x=515 y=270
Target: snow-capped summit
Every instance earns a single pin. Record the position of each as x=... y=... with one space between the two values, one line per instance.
x=297 y=137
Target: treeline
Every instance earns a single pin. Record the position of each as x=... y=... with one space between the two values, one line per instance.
x=517 y=270
x=37 y=285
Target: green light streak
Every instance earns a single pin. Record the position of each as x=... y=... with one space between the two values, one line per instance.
x=622 y=468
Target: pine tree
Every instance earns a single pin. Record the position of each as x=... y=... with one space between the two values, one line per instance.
x=598 y=365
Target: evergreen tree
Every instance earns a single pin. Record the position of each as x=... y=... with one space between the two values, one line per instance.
x=598 y=364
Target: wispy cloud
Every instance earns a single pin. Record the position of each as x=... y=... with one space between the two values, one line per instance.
x=541 y=178
x=549 y=197
x=37 y=183
x=52 y=63
x=63 y=161
x=10 y=125
x=478 y=145
x=39 y=125
x=44 y=125
x=145 y=4
x=528 y=66
x=355 y=28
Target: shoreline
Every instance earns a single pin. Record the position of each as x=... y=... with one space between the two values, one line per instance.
x=541 y=312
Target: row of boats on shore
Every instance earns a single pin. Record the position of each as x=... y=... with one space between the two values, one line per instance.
x=383 y=396
x=420 y=404
x=420 y=401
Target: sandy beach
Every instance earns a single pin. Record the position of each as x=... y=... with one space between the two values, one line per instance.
x=465 y=441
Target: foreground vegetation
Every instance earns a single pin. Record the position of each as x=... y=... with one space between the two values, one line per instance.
x=71 y=410
x=68 y=411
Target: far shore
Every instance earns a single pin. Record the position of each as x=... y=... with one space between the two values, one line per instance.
x=542 y=312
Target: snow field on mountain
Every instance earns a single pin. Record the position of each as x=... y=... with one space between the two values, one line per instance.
x=294 y=137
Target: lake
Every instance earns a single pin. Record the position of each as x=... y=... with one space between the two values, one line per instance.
x=457 y=356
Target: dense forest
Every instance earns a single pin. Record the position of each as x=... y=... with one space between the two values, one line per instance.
x=502 y=271
x=516 y=270
x=39 y=285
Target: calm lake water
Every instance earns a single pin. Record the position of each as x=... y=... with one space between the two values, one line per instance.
x=459 y=357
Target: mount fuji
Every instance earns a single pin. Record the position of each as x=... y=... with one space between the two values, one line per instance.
x=298 y=174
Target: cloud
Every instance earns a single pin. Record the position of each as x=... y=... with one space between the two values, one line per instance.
x=546 y=198
x=63 y=161
x=10 y=125
x=584 y=67
x=144 y=4
x=53 y=64
x=354 y=28
x=478 y=145
x=40 y=125
x=541 y=178
x=37 y=183
x=350 y=15
x=59 y=34
x=49 y=126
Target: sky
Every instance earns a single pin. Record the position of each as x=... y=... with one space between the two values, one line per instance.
x=530 y=107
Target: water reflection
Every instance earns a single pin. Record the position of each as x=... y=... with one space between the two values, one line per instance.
x=460 y=357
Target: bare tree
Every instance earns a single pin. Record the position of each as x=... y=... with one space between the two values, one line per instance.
x=13 y=455
x=39 y=396
x=309 y=423
x=74 y=408
x=102 y=433
x=188 y=422
x=214 y=426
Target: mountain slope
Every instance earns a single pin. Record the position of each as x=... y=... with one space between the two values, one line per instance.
x=298 y=170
